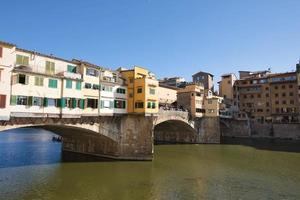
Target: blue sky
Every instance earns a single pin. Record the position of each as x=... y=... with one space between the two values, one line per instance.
x=170 y=37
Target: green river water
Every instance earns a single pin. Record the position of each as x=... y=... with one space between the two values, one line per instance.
x=31 y=167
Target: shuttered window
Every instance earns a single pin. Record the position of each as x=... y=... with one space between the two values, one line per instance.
x=50 y=67
x=78 y=85
x=38 y=81
x=52 y=83
x=69 y=84
x=22 y=60
x=120 y=104
x=1 y=52
x=71 y=69
x=2 y=101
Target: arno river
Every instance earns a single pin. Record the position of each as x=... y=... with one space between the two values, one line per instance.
x=32 y=167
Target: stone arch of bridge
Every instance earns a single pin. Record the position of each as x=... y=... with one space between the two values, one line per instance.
x=174 y=131
x=79 y=139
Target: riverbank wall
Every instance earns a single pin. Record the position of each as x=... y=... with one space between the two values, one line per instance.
x=247 y=128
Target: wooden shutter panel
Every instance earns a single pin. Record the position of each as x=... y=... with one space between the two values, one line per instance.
x=2 y=101
x=1 y=52
x=81 y=103
x=26 y=79
x=30 y=100
x=74 y=103
x=123 y=104
x=45 y=101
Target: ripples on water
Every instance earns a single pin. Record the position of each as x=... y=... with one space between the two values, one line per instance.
x=31 y=167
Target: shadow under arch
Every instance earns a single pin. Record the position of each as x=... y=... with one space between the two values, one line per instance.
x=174 y=131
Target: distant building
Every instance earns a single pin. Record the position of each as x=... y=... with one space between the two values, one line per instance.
x=266 y=96
x=206 y=79
x=167 y=95
x=226 y=86
x=191 y=98
x=173 y=81
x=212 y=106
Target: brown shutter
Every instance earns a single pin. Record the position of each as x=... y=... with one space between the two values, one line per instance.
x=1 y=52
x=2 y=101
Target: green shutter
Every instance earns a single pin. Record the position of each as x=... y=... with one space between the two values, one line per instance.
x=30 y=100
x=19 y=60
x=63 y=102
x=25 y=60
x=153 y=105
x=45 y=101
x=81 y=103
x=13 y=100
x=149 y=105
x=115 y=103
x=74 y=103
x=123 y=104
x=111 y=104
x=69 y=84
x=78 y=85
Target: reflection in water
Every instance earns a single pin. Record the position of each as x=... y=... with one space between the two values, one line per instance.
x=31 y=168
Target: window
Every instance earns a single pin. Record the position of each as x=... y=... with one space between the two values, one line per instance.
x=151 y=105
x=1 y=52
x=72 y=69
x=139 y=104
x=292 y=102
x=92 y=103
x=283 y=86
x=276 y=102
x=22 y=79
x=284 y=102
x=96 y=87
x=259 y=96
x=283 y=94
x=22 y=100
x=22 y=60
x=37 y=101
x=78 y=85
x=267 y=104
x=276 y=87
x=121 y=90
x=50 y=67
x=291 y=94
x=139 y=90
x=52 y=83
x=92 y=72
x=88 y=85
x=290 y=86
x=276 y=94
x=267 y=94
x=38 y=81
x=267 y=88
x=130 y=80
x=51 y=102
x=2 y=100
x=106 y=88
x=106 y=104
x=69 y=84
x=152 y=91
x=120 y=104
x=130 y=95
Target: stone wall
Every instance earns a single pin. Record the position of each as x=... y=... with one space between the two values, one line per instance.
x=136 y=140
x=208 y=129
x=234 y=128
x=243 y=128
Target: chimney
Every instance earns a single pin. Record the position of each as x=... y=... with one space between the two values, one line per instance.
x=298 y=67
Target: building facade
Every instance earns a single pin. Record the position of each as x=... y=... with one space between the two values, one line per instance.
x=167 y=95
x=206 y=79
x=173 y=81
x=268 y=97
x=191 y=98
x=142 y=90
x=226 y=86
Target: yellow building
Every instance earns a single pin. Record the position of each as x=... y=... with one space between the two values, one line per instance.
x=142 y=90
